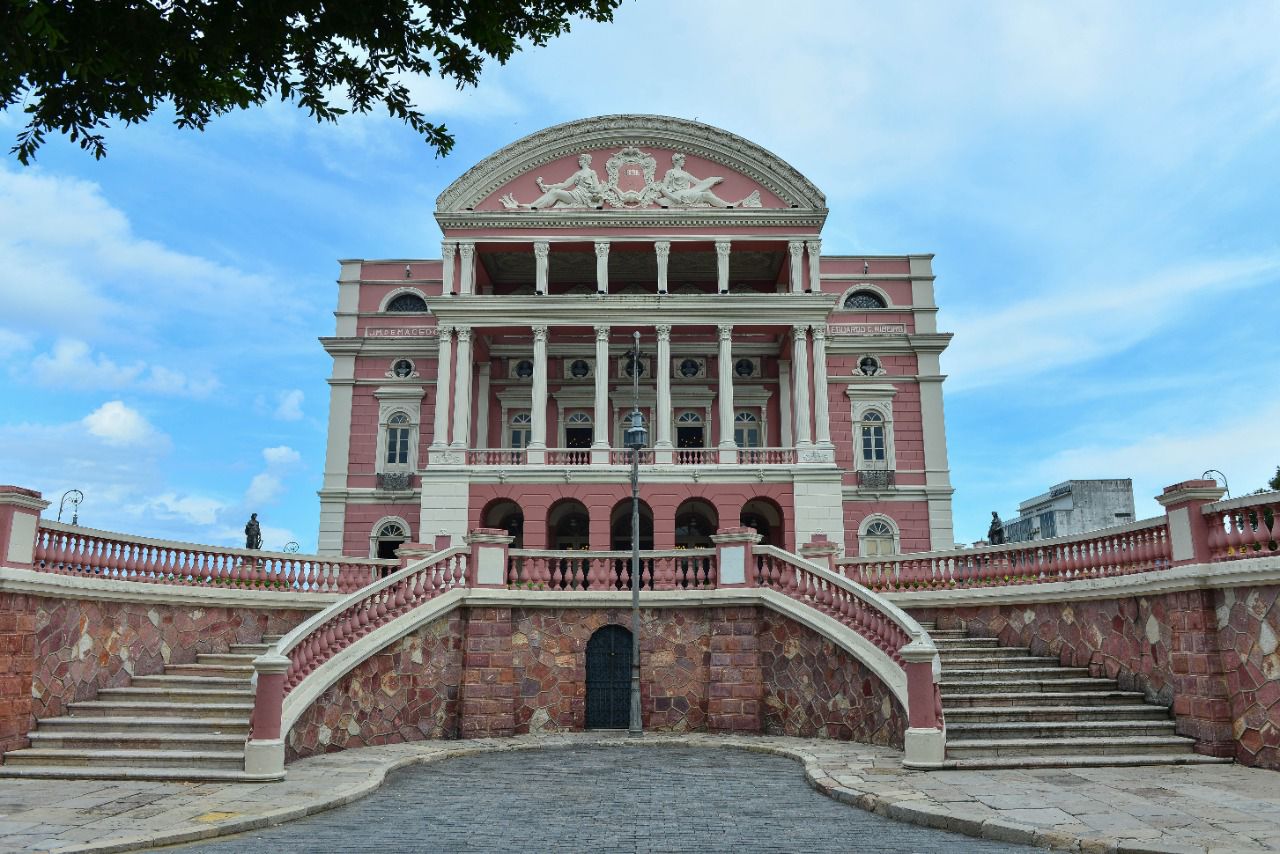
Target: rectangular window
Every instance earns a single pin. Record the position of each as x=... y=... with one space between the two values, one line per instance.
x=397 y=445
x=873 y=444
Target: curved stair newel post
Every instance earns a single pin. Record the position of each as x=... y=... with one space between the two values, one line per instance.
x=875 y=631
x=306 y=662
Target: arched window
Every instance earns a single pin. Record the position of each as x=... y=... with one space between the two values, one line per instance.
x=579 y=419
x=578 y=432
x=399 y=429
x=521 y=429
x=407 y=303
x=879 y=536
x=873 y=451
x=388 y=534
x=746 y=430
x=690 y=432
x=859 y=300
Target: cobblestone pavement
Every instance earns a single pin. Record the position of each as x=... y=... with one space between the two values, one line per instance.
x=600 y=799
x=1220 y=809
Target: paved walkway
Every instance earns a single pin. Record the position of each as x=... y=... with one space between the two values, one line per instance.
x=1214 y=808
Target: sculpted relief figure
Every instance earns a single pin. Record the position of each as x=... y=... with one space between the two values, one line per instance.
x=631 y=184
x=582 y=189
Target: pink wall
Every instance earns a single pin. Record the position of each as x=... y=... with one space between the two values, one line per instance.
x=362 y=517
x=912 y=518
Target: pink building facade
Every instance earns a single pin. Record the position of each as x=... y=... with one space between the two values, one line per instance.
x=788 y=391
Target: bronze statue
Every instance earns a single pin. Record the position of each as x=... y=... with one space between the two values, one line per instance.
x=995 y=534
x=253 y=533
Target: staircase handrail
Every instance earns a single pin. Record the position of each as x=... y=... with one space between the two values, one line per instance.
x=63 y=549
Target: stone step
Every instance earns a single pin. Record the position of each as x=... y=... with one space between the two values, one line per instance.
x=178 y=695
x=101 y=738
x=105 y=772
x=1104 y=695
x=223 y=670
x=1018 y=662
x=1076 y=761
x=952 y=642
x=233 y=659
x=225 y=725
x=962 y=732
x=1006 y=674
x=193 y=683
x=174 y=759
x=1111 y=746
x=254 y=649
x=950 y=653
x=161 y=708
x=987 y=685
x=270 y=639
x=983 y=714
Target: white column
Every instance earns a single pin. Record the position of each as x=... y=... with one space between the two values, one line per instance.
x=662 y=448
x=796 y=248
x=784 y=403
x=467 y=273
x=722 y=266
x=602 y=421
x=541 y=249
x=538 y=397
x=462 y=391
x=800 y=368
x=482 y=407
x=662 y=248
x=602 y=266
x=728 y=448
x=333 y=505
x=444 y=375
x=821 y=408
x=447 y=251
x=815 y=274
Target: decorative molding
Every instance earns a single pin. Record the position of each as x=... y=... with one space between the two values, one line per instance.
x=611 y=132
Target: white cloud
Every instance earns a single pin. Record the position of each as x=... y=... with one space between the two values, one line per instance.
x=198 y=510
x=263 y=489
x=117 y=424
x=12 y=343
x=72 y=364
x=281 y=455
x=289 y=405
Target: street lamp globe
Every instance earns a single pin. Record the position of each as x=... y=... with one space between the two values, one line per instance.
x=636 y=436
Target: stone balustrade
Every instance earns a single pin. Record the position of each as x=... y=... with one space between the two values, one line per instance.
x=682 y=569
x=72 y=550
x=1243 y=527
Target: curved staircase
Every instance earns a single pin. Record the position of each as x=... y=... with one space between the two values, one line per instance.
x=1007 y=708
x=189 y=723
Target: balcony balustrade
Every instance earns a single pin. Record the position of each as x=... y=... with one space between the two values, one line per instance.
x=877 y=479
x=395 y=481
x=621 y=457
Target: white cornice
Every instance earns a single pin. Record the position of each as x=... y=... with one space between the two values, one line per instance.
x=714 y=218
x=635 y=309
x=618 y=131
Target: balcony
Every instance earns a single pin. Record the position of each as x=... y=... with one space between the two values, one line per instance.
x=401 y=481
x=877 y=479
x=576 y=457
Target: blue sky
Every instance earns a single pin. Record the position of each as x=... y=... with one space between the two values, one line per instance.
x=1100 y=183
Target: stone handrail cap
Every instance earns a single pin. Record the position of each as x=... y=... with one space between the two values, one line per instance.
x=270 y=662
x=919 y=649
x=736 y=535
x=1191 y=490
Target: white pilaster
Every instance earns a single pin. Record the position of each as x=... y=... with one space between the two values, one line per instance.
x=784 y=403
x=444 y=375
x=796 y=248
x=348 y=311
x=538 y=397
x=541 y=251
x=728 y=448
x=800 y=369
x=662 y=448
x=462 y=391
x=937 y=469
x=602 y=421
x=333 y=511
x=447 y=251
x=482 y=407
x=467 y=274
x=722 y=266
x=662 y=248
x=821 y=407
x=602 y=266
x=815 y=274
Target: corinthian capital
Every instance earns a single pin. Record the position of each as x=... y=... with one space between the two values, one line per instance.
x=540 y=333
x=602 y=333
x=726 y=332
x=664 y=331
x=662 y=248
x=602 y=249
x=800 y=332
x=541 y=249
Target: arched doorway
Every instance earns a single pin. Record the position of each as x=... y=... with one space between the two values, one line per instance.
x=569 y=526
x=620 y=527
x=609 y=678
x=766 y=517
x=388 y=536
x=506 y=515
x=696 y=521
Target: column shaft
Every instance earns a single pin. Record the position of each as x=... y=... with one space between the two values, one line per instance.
x=538 y=395
x=662 y=249
x=447 y=252
x=722 y=266
x=821 y=404
x=444 y=376
x=541 y=251
x=602 y=266
x=800 y=385
x=467 y=272
x=462 y=391
x=482 y=408
x=725 y=390
x=815 y=273
x=662 y=411
x=600 y=430
x=796 y=248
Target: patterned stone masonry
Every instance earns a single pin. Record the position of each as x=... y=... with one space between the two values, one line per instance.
x=17 y=660
x=406 y=692
x=1248 y=621
x=735 y=693
x=812 y=688
x=550 y=653
x=80 y=647
x=488 y=675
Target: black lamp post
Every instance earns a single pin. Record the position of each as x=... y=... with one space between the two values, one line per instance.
x=635 y=437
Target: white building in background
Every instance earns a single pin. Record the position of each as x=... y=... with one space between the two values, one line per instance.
x=1072 y=507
